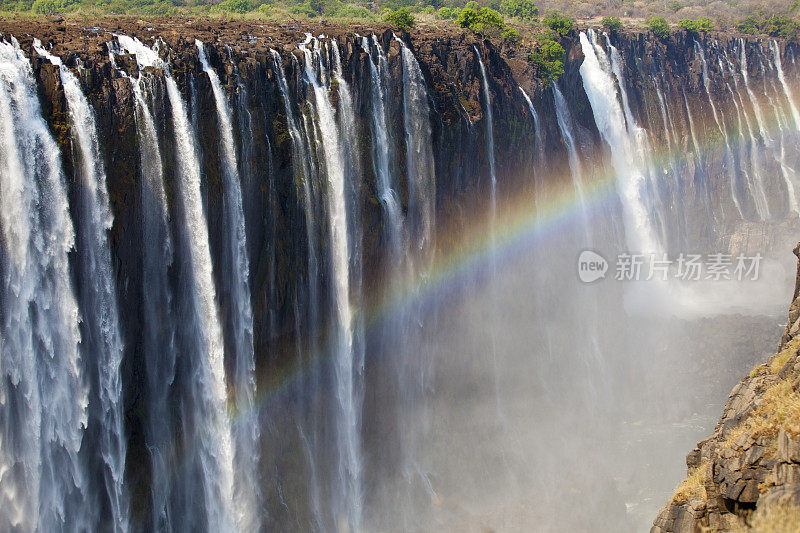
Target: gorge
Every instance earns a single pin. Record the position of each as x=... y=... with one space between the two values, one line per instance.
x=316 y=278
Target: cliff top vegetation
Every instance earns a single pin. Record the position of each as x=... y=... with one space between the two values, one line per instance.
x=510 y=17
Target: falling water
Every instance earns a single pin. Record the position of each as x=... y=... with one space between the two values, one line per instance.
x=212 y=433
x=756 y=183
x=728 y=152
x=102 y=341
x=776 y=52
x=602 y=92
x=380 y=151
x=159 y=334
x=245 y=428
x=350 y=466
x=537 y=128
x=564 y=119
x=44 y=409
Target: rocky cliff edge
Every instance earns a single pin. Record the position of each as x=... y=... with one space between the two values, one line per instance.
x=746 y=475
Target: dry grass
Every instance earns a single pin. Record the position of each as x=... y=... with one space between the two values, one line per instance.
x=781 y=357
x=779 y=409
x=693 y=486
x=775 y=519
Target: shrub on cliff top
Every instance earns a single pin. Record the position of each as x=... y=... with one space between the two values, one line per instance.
x=523 y=9
x=659 y=26
x=548 y=59
x=611 y=23
x=482 y=20
x=774 y=26
x=557 y=22
x=782 y=26
x=402 y=19
x=697 y=25
x=235 y=6
x=51 y=7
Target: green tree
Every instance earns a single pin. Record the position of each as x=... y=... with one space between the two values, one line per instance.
x=782 y=26
x=235 y=6
x=702 y=24
x=483 y=20
x=402 y=19
x=523 y=9
x=749 y=25
x=548 y=58
x=659 y=26
x=557 y=22
x=611 y=23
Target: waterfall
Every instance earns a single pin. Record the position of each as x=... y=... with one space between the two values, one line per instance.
x=564 y=119
x=237 y=285
x=211 y=437
x=380 y=151
x=537 y=129
x=159 y=331
x=43 y=412
x=302 y=167
x=346 y=370
x=740 y=129
x=416 y=373
x=487 y=106
x=102 y=340
x=755 y=181
x=700 y=52
x=776 y=53
x=629 y=167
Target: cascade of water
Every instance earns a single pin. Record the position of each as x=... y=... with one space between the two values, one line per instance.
x=304 y=169
x=564 y=119
x=609 y=117
x=537 y=129
x=348 y=508
x=487 y=101
x=753 y=100
x=756 y=183
x=420 y=162
x=782 y=123
x=380 y=155
x=700 y=52
x=245 y=429
x=159 y=329
x=102 y=340
x=776 y=53
x=44 y=410
x=740 y=128
x=211 y=436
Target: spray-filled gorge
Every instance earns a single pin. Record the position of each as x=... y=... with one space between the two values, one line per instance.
x=257 y=278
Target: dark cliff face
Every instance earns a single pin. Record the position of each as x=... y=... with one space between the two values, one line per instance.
x=272 y=196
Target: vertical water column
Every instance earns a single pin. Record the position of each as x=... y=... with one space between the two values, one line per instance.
x=537 y=129
x=237 y=284
x=44 y=409
x=348 y=507
x=776 y=53
x=210 y=439
x=102 y=340
x=610 y=119
x=304 y=171
x=700 y=52
x=159 y=326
